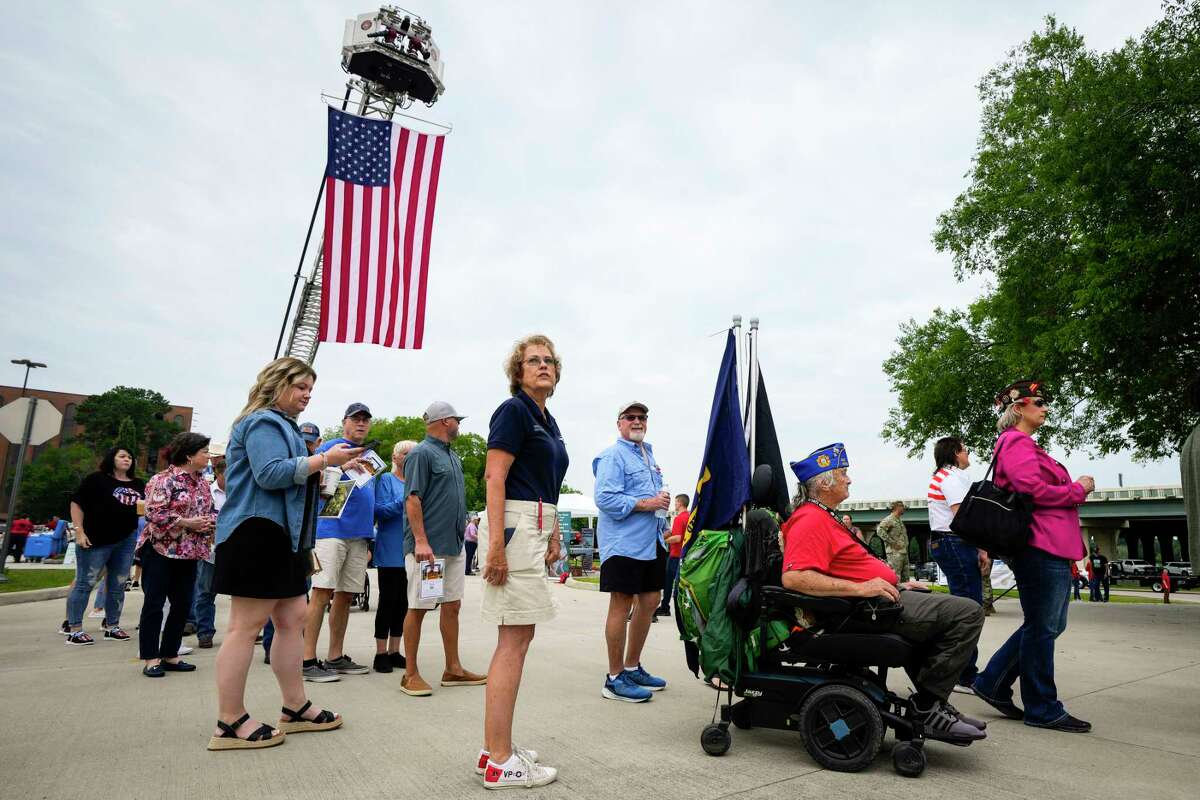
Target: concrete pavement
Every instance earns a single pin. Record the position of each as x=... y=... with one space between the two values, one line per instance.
x=83 y=722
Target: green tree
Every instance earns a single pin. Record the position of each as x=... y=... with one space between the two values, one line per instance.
x=1081 y=215
x=470 y=447
x=48 y=483
x=122 y=412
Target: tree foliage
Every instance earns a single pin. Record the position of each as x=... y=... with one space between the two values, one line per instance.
x=48 y=483
x=134 y=418
x=470 y=447
x=1082 y=214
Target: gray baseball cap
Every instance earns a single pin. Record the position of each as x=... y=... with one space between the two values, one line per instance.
x=632 y=404
x=440 y=409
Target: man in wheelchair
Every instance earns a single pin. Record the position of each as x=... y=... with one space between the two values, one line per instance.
x=822 y=558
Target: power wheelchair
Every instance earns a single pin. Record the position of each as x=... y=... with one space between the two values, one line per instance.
x=831 y=688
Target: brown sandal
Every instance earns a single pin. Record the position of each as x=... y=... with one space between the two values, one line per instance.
x=296 y=723
x=262 y=736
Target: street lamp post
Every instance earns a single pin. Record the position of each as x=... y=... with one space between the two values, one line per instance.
x=12 y=498
x=25 y=362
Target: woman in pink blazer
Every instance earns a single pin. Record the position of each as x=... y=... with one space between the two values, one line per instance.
x=1042 y=570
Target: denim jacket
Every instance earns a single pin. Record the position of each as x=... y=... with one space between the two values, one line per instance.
x=265 y=475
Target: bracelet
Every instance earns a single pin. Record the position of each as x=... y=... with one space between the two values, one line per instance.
x=324 y=461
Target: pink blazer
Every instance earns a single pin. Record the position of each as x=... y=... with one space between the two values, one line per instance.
x=1028 y=468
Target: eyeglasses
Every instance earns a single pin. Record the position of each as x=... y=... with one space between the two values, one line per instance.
x=537 y=361
x=635 y=417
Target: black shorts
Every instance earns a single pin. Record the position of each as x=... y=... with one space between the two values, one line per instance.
x=633 y=576
x=257 y=560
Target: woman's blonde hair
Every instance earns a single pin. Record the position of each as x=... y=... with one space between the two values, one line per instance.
x=275 y=379
x=515 y=364
x=402 y=446
x=1009 y=418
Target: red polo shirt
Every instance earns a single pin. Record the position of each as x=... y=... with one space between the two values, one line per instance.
x=812 y=539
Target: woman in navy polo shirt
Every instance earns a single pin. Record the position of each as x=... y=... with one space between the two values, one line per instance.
x=518 y=537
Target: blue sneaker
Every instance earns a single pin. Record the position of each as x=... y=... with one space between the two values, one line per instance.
x=645 y=679
x=622 y=688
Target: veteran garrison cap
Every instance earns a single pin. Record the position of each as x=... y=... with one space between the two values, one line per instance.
x=823 y=459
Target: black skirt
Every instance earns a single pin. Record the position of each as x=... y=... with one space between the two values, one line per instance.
x=257 y=561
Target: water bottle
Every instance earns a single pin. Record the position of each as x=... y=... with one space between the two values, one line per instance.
x=662 y=512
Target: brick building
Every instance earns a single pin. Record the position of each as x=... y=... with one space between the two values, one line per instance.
x=66 y=403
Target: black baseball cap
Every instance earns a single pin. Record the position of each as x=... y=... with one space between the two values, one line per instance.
x=356 y=408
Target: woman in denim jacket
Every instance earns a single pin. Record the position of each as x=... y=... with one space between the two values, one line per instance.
x=264 y=538
x=1042 y=569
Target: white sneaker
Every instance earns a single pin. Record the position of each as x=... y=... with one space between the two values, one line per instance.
x=481 y=764
x=517 y=773
x=96 y=613
x=184 y=650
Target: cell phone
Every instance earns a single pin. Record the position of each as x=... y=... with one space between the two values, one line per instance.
x=371 y=445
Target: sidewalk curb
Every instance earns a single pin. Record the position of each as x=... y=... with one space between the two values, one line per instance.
x=34 y=595
x=585 y=585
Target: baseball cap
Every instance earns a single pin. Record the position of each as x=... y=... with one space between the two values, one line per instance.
x=440 y=409
x=309 y=431
x=632 y=404
x=356 y=408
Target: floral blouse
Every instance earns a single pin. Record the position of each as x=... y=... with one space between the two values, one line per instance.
x=172 y=495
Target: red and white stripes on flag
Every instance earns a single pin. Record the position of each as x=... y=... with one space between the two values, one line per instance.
x=378 y=224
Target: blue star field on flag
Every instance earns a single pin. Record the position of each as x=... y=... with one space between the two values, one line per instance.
x=359 y=149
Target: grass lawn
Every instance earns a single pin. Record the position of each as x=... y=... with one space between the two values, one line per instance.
x=589 y=578
x=1112 y=598
x=21 y=580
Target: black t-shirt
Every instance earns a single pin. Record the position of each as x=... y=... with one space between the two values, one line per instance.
x=1099 y=564
x=540 y=455
x=109 y=507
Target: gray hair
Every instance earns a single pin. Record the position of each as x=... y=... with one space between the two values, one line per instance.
x=1009 y=418
x=815 y=485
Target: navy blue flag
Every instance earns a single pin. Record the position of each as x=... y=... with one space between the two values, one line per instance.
x=724 y=483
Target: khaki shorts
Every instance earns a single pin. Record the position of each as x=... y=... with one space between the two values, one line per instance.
x=453 y=581
x=343 y=564
x=524 y=599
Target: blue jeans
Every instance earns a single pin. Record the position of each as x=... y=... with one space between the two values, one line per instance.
x=669 y=583
x=204 y=602
x=1094 y=590
x=89 y=561
x=1044 y=582
x=960 y=562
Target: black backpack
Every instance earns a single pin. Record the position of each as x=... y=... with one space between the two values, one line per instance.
x=992 y=518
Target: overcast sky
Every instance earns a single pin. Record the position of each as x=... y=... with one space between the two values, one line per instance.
x=623 y=178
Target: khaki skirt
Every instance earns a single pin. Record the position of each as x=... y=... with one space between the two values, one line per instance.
x=524 y=599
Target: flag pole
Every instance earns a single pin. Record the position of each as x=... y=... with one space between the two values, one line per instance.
x=737 y=342
x=753 y=393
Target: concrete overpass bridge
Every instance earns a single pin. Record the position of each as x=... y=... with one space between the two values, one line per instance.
x=1127 y=522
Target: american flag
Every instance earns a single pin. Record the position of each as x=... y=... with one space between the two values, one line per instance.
x=381 y=183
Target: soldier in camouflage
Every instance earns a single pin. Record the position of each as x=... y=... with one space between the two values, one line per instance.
x=895 y=540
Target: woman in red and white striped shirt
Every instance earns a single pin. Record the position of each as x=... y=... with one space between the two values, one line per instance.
x=962 y=564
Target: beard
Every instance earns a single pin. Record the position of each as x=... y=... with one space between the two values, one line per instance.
x=637 y=436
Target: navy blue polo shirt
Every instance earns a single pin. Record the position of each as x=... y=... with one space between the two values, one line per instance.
x=540 y=455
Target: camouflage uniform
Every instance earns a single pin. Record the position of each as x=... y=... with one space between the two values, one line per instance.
x=895 y=544
x=989 y=599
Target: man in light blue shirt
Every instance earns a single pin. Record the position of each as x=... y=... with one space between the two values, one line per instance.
x=633 y=556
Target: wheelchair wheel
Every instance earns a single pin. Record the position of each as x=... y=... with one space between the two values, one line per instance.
x=840 y=728
x=908 y=759
x=715 y=740
x=739 y=715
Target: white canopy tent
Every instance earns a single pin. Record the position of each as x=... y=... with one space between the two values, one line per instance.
x=580 y=506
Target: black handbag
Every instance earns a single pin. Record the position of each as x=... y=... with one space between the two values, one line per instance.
x=993 y=518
